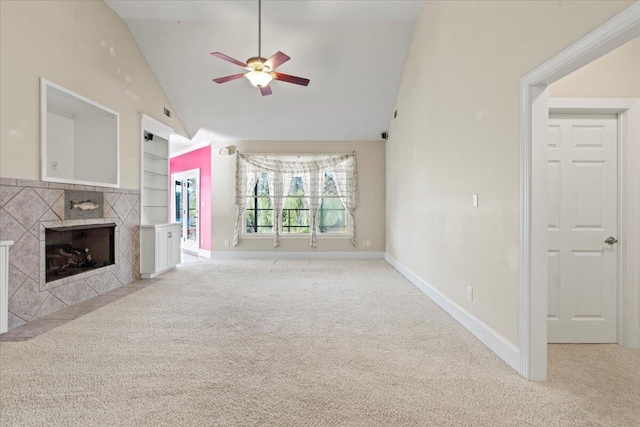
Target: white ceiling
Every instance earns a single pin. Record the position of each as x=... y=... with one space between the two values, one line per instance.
x=352 y=51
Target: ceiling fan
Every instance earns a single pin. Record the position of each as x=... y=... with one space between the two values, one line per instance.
x=261 y=70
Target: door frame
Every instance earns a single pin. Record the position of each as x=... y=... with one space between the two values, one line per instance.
x=533 y=239
x=627 y=111
x=178 y=175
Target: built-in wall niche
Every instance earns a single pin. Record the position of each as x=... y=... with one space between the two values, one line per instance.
x=79 y=137
x=155 y=180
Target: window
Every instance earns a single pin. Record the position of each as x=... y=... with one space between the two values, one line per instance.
x=259 y=213
x=302 y=186
x=295 y=210
x=332 y=216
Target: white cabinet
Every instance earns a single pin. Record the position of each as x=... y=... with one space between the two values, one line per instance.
x=159 y=248
x=159 y=239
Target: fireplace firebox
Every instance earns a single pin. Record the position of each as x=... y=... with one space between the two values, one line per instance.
x=78 y=249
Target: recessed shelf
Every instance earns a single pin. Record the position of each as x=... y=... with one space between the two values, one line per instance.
x=153 y=156
x=155 y=173
x=155 y=182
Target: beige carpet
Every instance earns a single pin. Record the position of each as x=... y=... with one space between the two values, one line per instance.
x=300 y=343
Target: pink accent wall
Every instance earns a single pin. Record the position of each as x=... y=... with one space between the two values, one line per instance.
x=199 y=159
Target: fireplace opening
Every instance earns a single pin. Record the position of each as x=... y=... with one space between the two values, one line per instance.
x=74 y=250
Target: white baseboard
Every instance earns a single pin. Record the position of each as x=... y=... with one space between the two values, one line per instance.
x=297 y=255
x=203 y=253
x=496 y=342
x=157 y=273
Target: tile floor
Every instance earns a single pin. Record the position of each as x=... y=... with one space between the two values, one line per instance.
x=40 y=326
x=45 y=324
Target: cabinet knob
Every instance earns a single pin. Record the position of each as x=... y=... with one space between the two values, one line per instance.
x=169 y=234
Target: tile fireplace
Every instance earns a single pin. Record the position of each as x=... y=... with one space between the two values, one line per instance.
x=33 y=214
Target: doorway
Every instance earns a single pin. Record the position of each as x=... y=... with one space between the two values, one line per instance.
x=185 y=189
x=533 y=247
x=582 y=206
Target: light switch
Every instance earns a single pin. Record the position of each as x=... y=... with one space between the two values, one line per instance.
x=475 y=200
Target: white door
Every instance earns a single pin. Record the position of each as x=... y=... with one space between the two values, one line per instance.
x=186 y=207
x=582 y=214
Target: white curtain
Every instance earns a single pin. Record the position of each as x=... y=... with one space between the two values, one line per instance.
x=349 y=199
x=311 y=185
x=279 y=185
x=244 y=187
x=281 y=172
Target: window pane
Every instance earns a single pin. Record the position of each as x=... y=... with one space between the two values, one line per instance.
x=332 y=217
x=250 y=221
x=259 y=213
x=264 y=203
x=265 y=218
x=330 y=188
x=295 y=220
x=295 y=212
x=296 y=188
x=262 y=186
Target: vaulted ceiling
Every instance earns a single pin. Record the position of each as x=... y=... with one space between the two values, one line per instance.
x=352 y=51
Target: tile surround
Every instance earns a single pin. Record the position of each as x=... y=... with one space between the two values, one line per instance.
x=27 y=208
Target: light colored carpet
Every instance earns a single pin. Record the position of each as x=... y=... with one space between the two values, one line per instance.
x=297 y=343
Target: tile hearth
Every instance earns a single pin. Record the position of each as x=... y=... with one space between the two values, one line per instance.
x=59 y=318
x=27 y=208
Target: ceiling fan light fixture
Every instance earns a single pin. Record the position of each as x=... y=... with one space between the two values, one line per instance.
x=259 y=78
x=261 y=70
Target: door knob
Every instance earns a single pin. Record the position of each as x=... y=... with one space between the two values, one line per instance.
x=611 y=240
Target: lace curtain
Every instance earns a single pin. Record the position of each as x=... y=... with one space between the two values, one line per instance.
x=281 y=172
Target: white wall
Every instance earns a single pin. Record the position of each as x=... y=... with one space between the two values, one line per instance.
x=60 y=139
x=369 y=215
x=94 y=139
x=87 y=48
x=457 y=134
x=615 y=75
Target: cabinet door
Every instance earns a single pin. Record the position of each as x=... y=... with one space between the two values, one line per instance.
x=162 y=253
x=174 y=246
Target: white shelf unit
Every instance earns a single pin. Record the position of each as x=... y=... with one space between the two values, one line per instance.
x=155 y=180
x=159 y=239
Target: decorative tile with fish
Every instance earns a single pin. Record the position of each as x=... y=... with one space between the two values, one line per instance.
x=83 y=204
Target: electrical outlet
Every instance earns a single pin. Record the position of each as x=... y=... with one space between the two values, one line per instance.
x=54 y=165
x=368 y=243
x=226 y=243
x=469 y=293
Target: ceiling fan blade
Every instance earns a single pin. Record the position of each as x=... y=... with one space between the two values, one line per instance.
x=276 y=60
x=228 y=58
x=265 y=90
x=228 y=78
x=291 y=79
